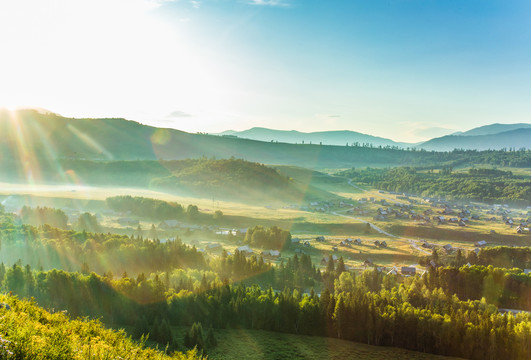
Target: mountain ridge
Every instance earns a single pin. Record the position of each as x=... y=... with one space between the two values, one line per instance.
x=516 y=139
x=331 y=137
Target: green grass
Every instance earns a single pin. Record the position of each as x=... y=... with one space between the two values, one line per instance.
x=30 y=332
x=255 y=345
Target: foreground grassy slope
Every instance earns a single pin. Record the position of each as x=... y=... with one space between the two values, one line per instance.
x=255 y=345
x=29 y=332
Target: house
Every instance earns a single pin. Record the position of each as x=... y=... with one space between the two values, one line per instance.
x=213 y=247
x=246 y=250
x=324 y=260
x=408 y=270
x=440 y=219
x=376 y=243
x=335 y=248
x=477 y=250
x=357 y=241
x=271 y=253
x=481 y=243
x=448 y=247
x=169 y=224
x=368 y=262
x=383 y=244
x=431 y=264
x=295 y=241
x=306 y=243
x=320 y=238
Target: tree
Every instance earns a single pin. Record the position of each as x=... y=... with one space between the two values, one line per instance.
x=194 y=337
x=153 y=232
x=88 y=222
x=340 y=266
x=211 y=339
x=218 y=214
x=192 y=211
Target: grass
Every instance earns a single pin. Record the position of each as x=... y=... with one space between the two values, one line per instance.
x=258 y=345
x=30 y=332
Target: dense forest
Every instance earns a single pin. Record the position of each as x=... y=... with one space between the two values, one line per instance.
x=372 y=308
x=488 y=185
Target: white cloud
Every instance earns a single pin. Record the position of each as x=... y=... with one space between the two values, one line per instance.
x=195 y=3
x=281 y=3
x=178 y=114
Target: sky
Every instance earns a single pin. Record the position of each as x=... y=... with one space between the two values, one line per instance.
x=407 y=70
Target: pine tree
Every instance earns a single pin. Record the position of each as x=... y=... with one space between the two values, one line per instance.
x=211 y=339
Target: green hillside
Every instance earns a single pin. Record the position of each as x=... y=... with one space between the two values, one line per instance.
x=233 y=179
x=264 y=345
x=29 y=332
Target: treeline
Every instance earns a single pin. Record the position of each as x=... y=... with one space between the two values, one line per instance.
x=510 y=289
x=505 y=256
x=370 y=308
x=50 y=247
x=159 y=210
x=146 y=207
x=488 y=186
x=44 y=215
x=270 y=238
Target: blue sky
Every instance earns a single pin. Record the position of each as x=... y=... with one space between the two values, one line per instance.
x=403 y=69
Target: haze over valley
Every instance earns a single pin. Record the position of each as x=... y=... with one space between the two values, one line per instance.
x=265 y=179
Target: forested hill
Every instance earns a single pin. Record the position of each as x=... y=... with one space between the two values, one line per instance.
x=31 y=139
x=230 y=179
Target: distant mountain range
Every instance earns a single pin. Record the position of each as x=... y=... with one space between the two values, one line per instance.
x=516 y=139
x=493 y=129
x=494 y=136
x=337 y=137
x=41 y=145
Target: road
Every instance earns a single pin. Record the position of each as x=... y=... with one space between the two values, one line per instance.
x=412 y=242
